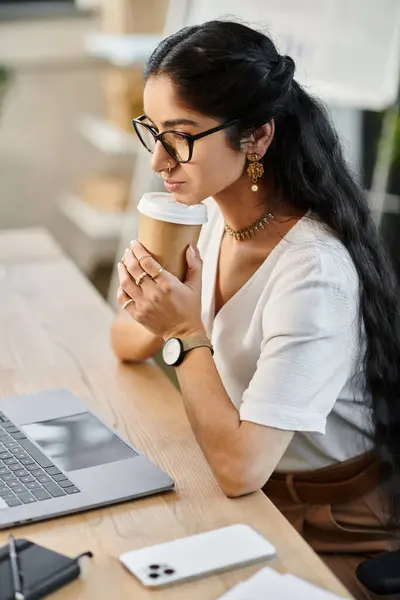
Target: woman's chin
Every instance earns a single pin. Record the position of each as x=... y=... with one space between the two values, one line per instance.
x=186 y=198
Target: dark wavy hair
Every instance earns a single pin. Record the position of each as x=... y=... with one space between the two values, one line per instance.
x=228 y=71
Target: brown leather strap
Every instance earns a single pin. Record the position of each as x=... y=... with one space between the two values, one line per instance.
x=335 y=484
x=191 y=342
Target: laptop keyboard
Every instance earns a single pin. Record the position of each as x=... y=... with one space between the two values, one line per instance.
x=26 y=474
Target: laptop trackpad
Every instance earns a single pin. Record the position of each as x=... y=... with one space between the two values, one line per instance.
x=78 y=441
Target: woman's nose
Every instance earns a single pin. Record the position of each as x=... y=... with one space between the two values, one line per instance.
x=161 y=160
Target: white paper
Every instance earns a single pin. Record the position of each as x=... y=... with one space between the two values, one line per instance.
x=310 y=591
x=269 y=583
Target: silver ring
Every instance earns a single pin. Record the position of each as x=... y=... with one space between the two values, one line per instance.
x=125 y=304
x=141 y=276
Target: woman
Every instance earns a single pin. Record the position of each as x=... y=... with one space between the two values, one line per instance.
x=292 y=288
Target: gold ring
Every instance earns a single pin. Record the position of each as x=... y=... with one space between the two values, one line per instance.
x=141 y=276
x=160 y=270
x=125 y=304
x=143 y=257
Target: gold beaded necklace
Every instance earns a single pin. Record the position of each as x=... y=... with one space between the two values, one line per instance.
x=248 y=232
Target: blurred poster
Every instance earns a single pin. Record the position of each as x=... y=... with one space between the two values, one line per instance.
x=347 y=52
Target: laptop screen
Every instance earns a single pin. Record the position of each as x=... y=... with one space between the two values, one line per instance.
x=78 y=441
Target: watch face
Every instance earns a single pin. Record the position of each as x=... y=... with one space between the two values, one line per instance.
x=172 y=351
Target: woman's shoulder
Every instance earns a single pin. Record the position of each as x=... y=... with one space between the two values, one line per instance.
x=312 y=250
x=314 y=276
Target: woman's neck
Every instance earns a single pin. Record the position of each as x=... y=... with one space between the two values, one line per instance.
x=241 y=207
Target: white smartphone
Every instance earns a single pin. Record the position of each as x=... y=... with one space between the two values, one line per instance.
x=197 y=555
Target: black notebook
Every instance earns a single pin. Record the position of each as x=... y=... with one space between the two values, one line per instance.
x=44 y=571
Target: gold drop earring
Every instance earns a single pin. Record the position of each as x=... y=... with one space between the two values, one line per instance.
x=255 y=170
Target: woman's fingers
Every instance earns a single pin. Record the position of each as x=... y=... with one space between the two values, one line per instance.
x=145 y=262
x=127 y=283
x=124 y=301
x=135 y=270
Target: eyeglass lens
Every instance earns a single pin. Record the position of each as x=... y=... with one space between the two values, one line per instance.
x=176 y=143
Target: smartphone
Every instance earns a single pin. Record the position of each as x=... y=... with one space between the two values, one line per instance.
x=197 y=555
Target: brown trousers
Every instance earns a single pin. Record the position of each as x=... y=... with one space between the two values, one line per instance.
x=340 y=512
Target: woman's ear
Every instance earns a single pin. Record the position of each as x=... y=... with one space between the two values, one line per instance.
x=261 y=139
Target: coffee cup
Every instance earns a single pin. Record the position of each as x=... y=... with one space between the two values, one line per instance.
x=167 y=227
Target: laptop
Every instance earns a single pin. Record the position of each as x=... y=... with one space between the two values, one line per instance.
x=58 y=458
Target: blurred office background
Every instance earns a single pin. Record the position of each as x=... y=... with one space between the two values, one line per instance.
x=70 y=79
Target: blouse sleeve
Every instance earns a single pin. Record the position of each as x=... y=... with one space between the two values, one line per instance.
x=310 y=334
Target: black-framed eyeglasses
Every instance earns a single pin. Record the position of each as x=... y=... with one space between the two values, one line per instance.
x=178 y=145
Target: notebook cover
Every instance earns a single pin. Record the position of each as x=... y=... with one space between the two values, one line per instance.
x=44 y=570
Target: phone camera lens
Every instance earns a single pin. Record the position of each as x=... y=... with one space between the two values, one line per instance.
x=154 y=575
x=169 y=571
x=154 y=567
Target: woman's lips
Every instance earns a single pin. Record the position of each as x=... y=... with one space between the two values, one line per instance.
x=172 y=186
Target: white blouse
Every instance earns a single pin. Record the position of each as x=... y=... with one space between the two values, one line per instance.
x=285 y=345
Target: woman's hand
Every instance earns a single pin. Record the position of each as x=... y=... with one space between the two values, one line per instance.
x=161 y=303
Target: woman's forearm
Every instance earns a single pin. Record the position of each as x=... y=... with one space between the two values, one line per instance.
x=214 y=419
x=131 y=341
x=242 y=454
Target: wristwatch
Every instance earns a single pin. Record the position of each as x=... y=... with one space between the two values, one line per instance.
x=175 y=349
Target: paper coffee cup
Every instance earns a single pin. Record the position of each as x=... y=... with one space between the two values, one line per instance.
x=167 y=227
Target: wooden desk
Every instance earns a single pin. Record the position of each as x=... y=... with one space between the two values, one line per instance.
x=54 y=331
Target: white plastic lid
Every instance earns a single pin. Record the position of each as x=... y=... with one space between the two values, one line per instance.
x=164 y=207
